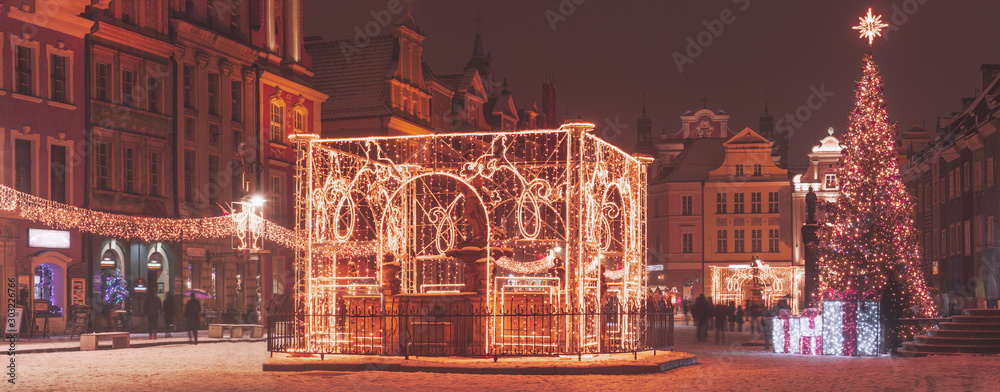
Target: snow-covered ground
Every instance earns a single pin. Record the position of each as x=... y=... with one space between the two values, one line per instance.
x=237 y=366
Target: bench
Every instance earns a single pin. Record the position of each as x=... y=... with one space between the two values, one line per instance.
x=217 y=331
x=89 y=341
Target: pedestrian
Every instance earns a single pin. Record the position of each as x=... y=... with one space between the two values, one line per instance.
x=739 y=318
x=754 y=318
x=153 y=309
x=687 y=310
x=731 y=315
x=192 y=313
x=720 y=322
x=169 y=311
x=765 y=329
x=701 y=312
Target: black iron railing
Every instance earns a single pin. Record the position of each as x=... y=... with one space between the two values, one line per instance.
x=423 y=327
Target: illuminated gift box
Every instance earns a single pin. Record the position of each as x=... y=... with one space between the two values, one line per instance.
x=785 y=332
x=851 y=325
x=810 y=332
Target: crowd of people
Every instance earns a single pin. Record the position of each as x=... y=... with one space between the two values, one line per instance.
x=720 y=316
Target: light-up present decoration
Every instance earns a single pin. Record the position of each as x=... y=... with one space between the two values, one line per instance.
x=492 y=202
x=810 y=332
x=851 y=325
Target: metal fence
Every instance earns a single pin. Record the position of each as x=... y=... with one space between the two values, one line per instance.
x=463 y=328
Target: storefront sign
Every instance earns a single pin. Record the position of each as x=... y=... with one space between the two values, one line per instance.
x=52 y=239
x=195 y=252
x=654 y=267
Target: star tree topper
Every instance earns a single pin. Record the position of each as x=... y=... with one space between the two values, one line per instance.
x=871 y=26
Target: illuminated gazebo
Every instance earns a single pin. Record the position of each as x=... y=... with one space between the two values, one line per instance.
x=470 y=243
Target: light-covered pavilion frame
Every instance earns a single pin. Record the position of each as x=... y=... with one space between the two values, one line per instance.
x=541 y=191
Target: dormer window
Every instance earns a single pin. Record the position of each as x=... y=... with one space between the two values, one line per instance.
x=739 y=170
x=758 y=170
x=830 y=181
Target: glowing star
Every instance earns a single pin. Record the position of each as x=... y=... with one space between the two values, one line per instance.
x=870 y=27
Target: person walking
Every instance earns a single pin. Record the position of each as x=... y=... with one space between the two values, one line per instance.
x=153 y=309
x=765 y=328
x=731 y=315
x=720 y=322
x=739 y=318
x=701 y=312
x=687 y=310
x=754 y=318
x=192 y=313
x=169 y=312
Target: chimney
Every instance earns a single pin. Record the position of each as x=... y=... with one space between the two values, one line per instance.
x=989 y=72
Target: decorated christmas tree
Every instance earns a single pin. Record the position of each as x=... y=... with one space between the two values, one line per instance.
x=115 y=291
x=868 y=244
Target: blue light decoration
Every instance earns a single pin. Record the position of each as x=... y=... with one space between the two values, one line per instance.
x=115 y=290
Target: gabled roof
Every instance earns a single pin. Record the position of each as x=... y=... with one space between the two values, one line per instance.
x=700 y=156
x=748 y=138
x=354 y=77
x=468 y=82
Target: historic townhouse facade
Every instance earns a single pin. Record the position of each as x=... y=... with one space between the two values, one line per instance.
x=131 y=132
x=954 y=181
x=42 y=145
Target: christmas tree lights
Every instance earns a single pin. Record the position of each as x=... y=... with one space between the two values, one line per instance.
x=869 y=241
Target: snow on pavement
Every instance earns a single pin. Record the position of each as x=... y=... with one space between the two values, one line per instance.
x=237 y=366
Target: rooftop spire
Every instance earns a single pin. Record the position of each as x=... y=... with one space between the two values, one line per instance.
x=477 y=49
x=644 y=105
x=765 y=101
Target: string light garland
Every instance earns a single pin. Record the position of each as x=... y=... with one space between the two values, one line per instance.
x=148 y=229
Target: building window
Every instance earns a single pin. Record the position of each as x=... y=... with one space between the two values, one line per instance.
x=154 y=173
x=990 y=227
x=686 y=205
x=276 y=120
x=772 y=202
x=738 y=238
x=189 y=86
x=24 y=71
x=214 y=134
x=687 y=240
x=102 y=165
x=739 y=170
x=738 y=200
x=190 y=132
x=103 y=78
x=755 y=203
x=966 y=176
x=153 y=94
x=128 y=169
x=755 y=241
x=58 y=79
x=977 y=175
x=758 y=170
x=988 y=173
x=190 y=161
x=129 y=12
x=772 y=240
x=22 y=166
x=214 y=185
x=299 y=120
x=237 y=140
x=210 y=15
x=213 y=94
x=236 y=99
x=830 y=181
x=57 y=174
x=128 y=88
x=276 y=196
x=234 y=18
x=722 y=242
x=236 y=173
x=720 y=203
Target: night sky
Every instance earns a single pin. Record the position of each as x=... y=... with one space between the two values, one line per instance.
x=604 y=55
